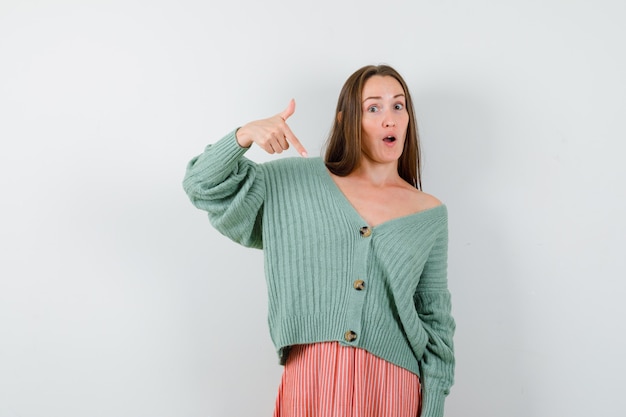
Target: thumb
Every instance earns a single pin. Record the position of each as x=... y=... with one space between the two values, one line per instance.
x=291 y=108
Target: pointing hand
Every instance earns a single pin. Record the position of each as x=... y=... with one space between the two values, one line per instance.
x=272 y=134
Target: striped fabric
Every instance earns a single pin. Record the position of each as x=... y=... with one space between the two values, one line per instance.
x=330 y=380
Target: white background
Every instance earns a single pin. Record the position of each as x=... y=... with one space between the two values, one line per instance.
x=117 y=298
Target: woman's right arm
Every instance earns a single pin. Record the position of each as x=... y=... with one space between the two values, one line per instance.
x=229 y=187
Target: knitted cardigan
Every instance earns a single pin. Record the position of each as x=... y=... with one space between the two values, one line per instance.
x=329 y=276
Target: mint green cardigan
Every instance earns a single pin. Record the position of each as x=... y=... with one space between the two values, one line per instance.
x=329 y=276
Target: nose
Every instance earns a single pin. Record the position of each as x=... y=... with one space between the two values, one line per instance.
x=389 y=122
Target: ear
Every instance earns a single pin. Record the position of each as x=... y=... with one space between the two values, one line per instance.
x=339 y=117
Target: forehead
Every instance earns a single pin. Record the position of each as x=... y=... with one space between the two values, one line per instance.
x=380 y=86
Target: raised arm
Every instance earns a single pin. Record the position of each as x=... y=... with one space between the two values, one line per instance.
x=230 y=187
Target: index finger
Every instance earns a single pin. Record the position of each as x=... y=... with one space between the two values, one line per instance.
x=292 y=139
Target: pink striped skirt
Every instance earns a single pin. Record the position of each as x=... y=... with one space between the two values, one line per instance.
x=330 y=380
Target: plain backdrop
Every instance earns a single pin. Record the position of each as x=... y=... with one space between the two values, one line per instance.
x=118 y=299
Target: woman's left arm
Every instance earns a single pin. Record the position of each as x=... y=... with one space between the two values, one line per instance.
x=433 y=305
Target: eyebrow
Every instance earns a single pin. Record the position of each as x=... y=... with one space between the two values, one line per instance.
x=380 y=98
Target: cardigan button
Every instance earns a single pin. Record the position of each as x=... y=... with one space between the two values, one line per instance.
x=359 y=284
x=365 y=231
x=350 y=336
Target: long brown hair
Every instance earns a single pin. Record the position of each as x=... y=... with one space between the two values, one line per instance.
x=343 y=147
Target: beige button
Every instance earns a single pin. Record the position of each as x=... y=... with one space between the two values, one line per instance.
x=350 y=336
x=359 y=285
x=365 y=231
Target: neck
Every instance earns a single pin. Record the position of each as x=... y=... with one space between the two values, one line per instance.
x=376 y=174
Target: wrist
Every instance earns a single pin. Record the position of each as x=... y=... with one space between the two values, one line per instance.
x=242 y=138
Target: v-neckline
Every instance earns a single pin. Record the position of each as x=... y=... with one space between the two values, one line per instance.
x=349 y=208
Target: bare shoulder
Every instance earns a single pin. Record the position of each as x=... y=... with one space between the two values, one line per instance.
x=430 y=200
x=423 y=201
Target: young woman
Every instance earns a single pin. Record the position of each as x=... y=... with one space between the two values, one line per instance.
x=355 y=254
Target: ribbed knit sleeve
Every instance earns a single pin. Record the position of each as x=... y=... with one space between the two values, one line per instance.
x=230 y=188
x=432 y=301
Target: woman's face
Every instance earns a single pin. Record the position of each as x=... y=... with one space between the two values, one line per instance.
x=385 y=119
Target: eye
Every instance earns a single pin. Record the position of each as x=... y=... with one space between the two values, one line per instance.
x=399 y=106
x=372 y=109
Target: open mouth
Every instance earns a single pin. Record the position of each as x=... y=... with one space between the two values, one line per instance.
x=389 y=139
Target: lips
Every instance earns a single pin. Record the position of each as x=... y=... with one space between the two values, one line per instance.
x=389 y=139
